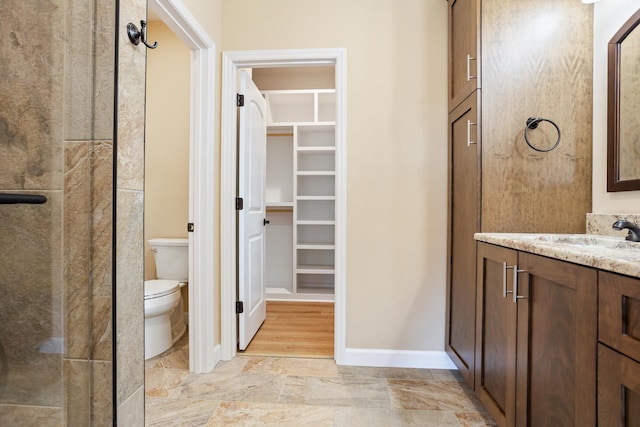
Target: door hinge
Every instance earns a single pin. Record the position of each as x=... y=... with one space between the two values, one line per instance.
x=239 y=307
x=190 y=227
x=239 y=100
x=239 y=203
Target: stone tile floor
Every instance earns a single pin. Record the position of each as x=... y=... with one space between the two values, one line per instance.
x=249 y=391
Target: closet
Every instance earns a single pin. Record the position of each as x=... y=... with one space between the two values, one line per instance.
x=300 y=195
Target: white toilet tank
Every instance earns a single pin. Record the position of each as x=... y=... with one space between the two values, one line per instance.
x=172 y=258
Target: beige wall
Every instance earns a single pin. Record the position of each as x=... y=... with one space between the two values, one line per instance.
x=608 y=18
x=396 y=151
x=209 y=16
x=166 y=200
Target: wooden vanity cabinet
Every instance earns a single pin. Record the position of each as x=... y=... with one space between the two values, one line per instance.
x=535 y=357
x=618 y=366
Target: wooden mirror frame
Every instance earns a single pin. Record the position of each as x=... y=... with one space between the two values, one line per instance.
x=614 y=183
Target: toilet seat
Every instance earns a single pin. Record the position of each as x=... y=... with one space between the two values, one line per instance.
x=159 y=288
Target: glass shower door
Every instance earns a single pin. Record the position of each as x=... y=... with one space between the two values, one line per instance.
x=56 y=134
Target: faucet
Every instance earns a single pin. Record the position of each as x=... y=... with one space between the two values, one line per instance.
x=634 y=231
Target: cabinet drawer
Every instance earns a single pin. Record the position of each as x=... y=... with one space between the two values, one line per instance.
x=618 y=389
x=619 y=313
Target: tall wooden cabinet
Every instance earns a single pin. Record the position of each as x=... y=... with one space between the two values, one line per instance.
x=300 y=240
x=504 y=67
x=464 y=182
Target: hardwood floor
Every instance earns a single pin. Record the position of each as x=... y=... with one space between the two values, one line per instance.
x=295 y=329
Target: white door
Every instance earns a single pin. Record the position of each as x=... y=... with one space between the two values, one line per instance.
x=252 y=172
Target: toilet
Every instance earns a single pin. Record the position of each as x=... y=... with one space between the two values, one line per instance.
x=163 y=310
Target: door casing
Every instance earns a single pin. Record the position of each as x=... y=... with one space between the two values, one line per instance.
x=232 y=61
x=203 y=353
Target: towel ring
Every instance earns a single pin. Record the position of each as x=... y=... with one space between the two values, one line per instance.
x=532 y=123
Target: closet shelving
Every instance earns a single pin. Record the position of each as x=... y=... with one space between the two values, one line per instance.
x=301 y=194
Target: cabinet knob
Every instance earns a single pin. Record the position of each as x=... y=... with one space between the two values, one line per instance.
x=265 y=221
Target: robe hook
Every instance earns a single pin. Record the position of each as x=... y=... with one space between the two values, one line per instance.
x=136 y=36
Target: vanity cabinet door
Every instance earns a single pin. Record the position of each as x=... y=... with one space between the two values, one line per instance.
x=464 y=55
x=618 y=389
x=619 y=313
x=556 y=343
x=496 y=332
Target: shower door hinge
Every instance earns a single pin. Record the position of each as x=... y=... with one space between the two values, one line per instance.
x=239 y=100
x=239 y=307
x=190 y=227
x=239 y=203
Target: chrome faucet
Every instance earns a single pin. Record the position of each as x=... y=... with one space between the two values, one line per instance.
x=634 y=230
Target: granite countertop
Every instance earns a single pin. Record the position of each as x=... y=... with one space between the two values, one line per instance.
x=613 y=254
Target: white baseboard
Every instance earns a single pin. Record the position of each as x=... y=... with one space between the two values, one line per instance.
x=397 y=358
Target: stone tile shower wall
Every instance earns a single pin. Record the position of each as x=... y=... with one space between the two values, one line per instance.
x=56 y=121
x=129 y=259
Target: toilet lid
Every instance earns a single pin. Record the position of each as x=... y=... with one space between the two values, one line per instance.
x=158 y=288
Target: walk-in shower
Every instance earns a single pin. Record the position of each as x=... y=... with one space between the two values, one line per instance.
x=56 y=143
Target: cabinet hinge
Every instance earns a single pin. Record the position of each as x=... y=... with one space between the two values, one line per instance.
x=190 y=227
x=239 y=307
x=239 y=203
x=239 y=100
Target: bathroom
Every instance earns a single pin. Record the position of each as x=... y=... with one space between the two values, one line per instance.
x=396 y=101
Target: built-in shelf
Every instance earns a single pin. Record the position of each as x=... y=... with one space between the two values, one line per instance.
x=312 y=222
x=301 y=174
x=316 y=269
x=310 y=289
x=317 y=149
x=315 y=173
x=316 y=198
x=319 y=246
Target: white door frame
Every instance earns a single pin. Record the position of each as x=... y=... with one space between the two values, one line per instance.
x=203 y=354
x=231 y=62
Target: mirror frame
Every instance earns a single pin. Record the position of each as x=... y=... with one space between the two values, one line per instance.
x=614 y=183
